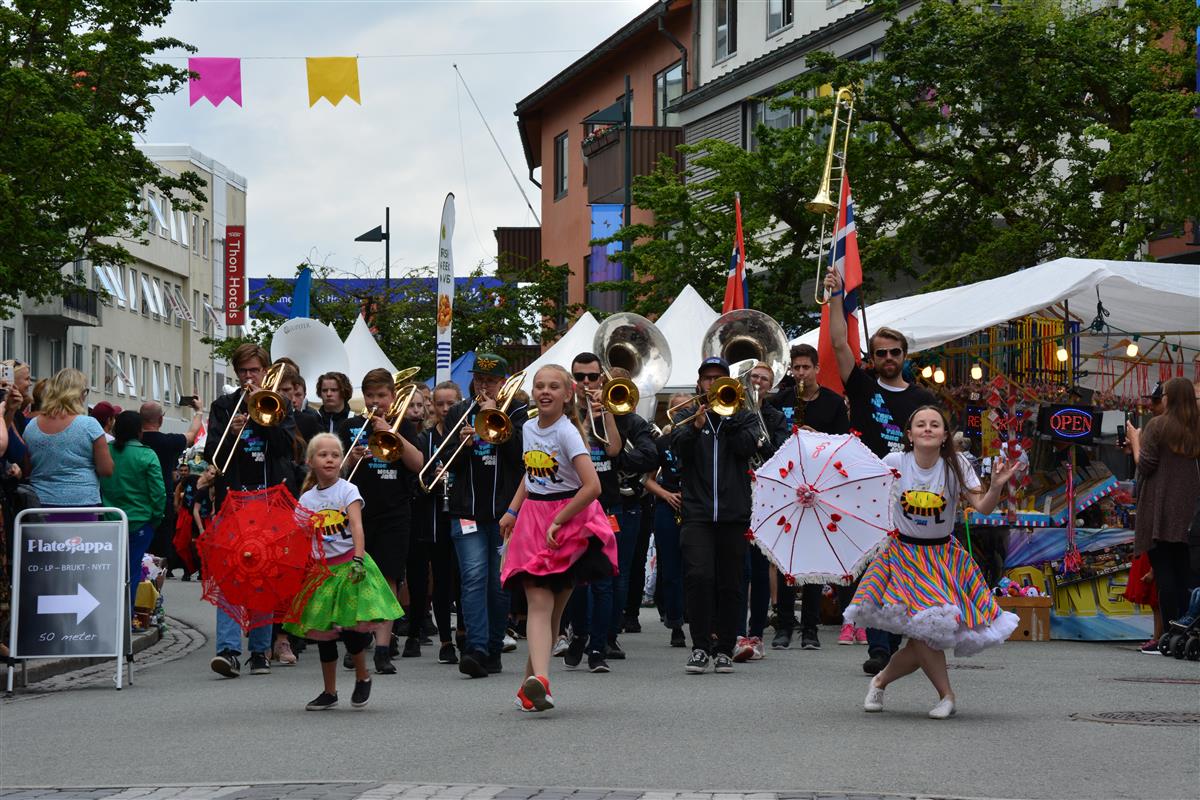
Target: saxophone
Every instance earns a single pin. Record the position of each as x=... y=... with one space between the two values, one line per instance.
x=799 y=404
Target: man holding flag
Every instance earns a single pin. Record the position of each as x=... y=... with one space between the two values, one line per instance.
x=880 y=400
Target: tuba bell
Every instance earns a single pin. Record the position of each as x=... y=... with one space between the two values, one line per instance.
x=744 y=334
x=633 y=343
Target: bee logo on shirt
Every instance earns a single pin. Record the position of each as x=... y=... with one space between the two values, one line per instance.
x=541 y=467
x=916 y=502
x=331 y=522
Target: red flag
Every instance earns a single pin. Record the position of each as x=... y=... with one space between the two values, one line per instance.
x=736 y=291
x=846 y=262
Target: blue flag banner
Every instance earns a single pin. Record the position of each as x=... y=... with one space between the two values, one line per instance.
x=607 y=219
x=339 y=288
x=301 y=294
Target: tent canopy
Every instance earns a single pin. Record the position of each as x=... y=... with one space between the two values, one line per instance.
x=1140 y=296
x=684 y=324
x=460 y=372
x=577 y=339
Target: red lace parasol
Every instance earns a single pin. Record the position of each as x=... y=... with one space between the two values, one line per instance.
x=262 y=557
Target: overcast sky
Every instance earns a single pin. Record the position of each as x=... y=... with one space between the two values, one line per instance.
x=317 y=177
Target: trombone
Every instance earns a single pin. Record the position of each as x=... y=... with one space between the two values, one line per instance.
x=491 y=424
x=618 y=396
x=264 y=405
x=724 y=397
x=401 y=379
x=386 y=445
x=823 y=203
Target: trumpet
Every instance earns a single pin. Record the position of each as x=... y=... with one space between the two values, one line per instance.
x=265 y=406
x=492 y=425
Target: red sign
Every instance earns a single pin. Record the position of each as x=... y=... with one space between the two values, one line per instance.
x=235 y=275
x=1071 y=423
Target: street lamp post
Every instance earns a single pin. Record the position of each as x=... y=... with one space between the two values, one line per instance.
x=382 y=234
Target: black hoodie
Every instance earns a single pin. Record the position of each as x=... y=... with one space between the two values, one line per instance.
x=485 y=475
x=714 y=466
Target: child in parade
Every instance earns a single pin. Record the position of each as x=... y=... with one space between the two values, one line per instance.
x=556 y=532
x=924 y=585
x=355 y=598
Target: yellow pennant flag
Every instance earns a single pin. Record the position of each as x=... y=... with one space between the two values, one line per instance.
x=333 y=79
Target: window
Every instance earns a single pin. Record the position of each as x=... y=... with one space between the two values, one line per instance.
x=158 y=219
x=146 y=378
x=31 y=353
x=208 y=326
x=178 y=384
x=159 y=303
x=134 y=306
x=184 y=239
x=154 y=382
x=204 y=239
x=95 y=374
x=58 y=355
x=560 y=166
x=119 y=368
x=167 y=231
x=178 y=295
x=668 y=87
x=133 y=374
x=77 y=356
x=196 y=382
x=779 y=15
x=195 y=233
x=204 y=397
x=760 y=112
x=166 y=384
x=9 y=344
x=725 y=20
x=197 y=310
x=109 y=373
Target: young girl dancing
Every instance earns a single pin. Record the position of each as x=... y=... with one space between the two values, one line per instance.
x=350 y=603
x=924 y=584
x=556 y=532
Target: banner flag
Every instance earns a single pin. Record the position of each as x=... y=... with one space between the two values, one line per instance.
x=301 y=292
x=845 y=260
x=445 y=293
x=737 y=292
x=216 y=79
x=333 y=79
x=235 y=275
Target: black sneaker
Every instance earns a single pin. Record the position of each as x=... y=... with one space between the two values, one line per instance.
x=677 y=638
x=348 y=661
x=697 y=663
x=574 y=653
x=875 y=664
x=412 y=648
x=472 y=664
x=362 y=692
x=722 y=663
x=447 y=655
x=596 y=662
x=782 y=640
x=323 y=702
x=383 y=664
x=809 y=640
x=259 y=665
x=614 y=650
x=632 y=625
x=493 y=665
x=226 y=663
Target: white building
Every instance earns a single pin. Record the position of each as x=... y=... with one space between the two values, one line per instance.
x=142 y=341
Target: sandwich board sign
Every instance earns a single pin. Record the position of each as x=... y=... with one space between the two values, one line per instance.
x=70 y=590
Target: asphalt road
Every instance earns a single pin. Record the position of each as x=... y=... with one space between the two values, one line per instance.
x=791 y=722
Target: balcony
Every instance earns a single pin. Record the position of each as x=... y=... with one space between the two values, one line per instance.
x=517 y=250
x=605 y=158
x=78 y=307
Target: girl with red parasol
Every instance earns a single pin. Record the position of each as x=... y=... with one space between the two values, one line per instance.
x=355 y=598
x=924 y=584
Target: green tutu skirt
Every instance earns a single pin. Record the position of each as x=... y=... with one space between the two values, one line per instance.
x=338 y=605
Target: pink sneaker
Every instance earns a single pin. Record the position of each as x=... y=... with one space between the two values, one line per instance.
x=757 y=651
x=847 y=634
x=743 y=650
x=860 y=635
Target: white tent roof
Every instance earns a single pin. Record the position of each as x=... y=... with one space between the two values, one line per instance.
x=365 y=355
x=1140 y=296
x=684 y=324
x=577 y=339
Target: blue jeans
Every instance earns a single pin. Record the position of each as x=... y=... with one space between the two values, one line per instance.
x=590 y=611
x=756 y=584
x=139 y=540
x=229 y=635
x=484 y=603
x=882 y=642
x=670 y=563
x=630 y=522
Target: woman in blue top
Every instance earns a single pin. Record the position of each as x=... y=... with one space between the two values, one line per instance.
x=67 y=449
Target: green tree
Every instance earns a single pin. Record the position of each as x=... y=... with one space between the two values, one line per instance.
x=76 y=85
x=493 y=318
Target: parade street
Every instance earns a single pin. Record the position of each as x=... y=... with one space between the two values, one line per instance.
x=791 y=724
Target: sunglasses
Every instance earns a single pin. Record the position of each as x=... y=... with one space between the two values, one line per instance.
x=894 y=352
x=586 y=376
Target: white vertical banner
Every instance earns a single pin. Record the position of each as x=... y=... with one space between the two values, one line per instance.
x=445 y=290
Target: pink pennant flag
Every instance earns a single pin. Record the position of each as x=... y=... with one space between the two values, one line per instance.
x=217 y=79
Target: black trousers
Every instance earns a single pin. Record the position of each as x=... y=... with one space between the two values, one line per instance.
x=441 y=557
x=637 y=574
x=1172 y=568
x=714 y=555
x=810 y=606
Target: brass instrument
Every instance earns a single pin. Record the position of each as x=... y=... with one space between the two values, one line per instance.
x=634 y=343
x=400 y=378
x=492 y=425
x=799 y=404
x=354 y=442
x=387 y=445
x=725 y=397
x=745 y=334
x=824 y=203
x=264 y=405
x=403 y=377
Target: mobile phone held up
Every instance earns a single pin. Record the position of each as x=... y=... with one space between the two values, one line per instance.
x=1120 y=436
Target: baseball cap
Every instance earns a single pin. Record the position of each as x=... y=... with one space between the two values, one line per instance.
x=1157 y=393
x=490 y=364
x=104 y=411
x=714 y=361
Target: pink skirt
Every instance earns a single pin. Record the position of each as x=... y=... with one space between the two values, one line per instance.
x=527 y=552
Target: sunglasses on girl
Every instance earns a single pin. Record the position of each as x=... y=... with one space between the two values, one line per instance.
x=894 y=352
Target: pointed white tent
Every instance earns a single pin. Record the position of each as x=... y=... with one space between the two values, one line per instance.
x=684 y=324
x=365 y=355
x=577 y=339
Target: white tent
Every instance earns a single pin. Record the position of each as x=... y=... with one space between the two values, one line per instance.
x=577 y=339
x=684 y=324
x=364 y=354
x=1140 y=296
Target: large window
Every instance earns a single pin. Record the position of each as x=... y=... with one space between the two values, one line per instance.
x=8 y=349
x=668 y=87
x=560 y=165
x=779 y=15
x=94 y=377
x=77 y=356
x=725 y=26
x=760 y=112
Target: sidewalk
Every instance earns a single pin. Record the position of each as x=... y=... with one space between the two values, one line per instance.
x=35 y=670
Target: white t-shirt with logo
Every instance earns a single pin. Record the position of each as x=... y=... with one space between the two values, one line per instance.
x=330 y=508
x=925 y=501
x=548 y=454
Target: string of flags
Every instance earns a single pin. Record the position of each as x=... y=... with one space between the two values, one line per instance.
x=216 y=79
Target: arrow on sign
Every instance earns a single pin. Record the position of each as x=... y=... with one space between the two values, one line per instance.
x=81 y=604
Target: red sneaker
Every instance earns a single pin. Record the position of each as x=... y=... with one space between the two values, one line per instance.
x=860 y=635
x=743 y=650
x=847 y=634
x=537 y=693
x=523 y=701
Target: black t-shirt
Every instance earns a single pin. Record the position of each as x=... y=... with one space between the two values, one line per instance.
x=168 y=447
x=825 y=413
x=386 y=486
x=880 y=413
x=668 y=463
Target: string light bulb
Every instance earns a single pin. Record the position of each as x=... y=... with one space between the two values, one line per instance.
x=927 y=372
x=1132 y=349
x=976 y=373
x=939 y=376
x=1061 y=354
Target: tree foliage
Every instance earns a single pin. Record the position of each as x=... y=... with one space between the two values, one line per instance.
x=77 y=84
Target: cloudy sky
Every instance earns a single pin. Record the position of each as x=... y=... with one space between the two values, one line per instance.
x=320 y=176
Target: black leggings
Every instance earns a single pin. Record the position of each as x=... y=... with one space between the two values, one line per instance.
x=355 y=643
x=421 y=556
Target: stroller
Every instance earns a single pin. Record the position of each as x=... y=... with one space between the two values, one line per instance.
x=1182 y=638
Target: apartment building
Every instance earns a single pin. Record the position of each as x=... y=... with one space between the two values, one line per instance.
x=136 y=331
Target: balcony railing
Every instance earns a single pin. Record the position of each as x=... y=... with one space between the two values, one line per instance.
x=606 y=158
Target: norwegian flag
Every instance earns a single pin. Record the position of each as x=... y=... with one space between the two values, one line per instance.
x=737 y=292
x=845 y=260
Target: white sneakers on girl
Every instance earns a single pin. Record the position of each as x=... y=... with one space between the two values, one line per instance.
x=874 y=701
x=943 y=710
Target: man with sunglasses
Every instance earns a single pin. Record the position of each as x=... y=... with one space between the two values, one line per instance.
x=881 y=402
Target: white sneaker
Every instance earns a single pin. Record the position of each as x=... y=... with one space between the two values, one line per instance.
x=560 y=646
x=509 y=644
x=874 y=701
x=743 y=649
x=758 y=652
x=943 y=710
